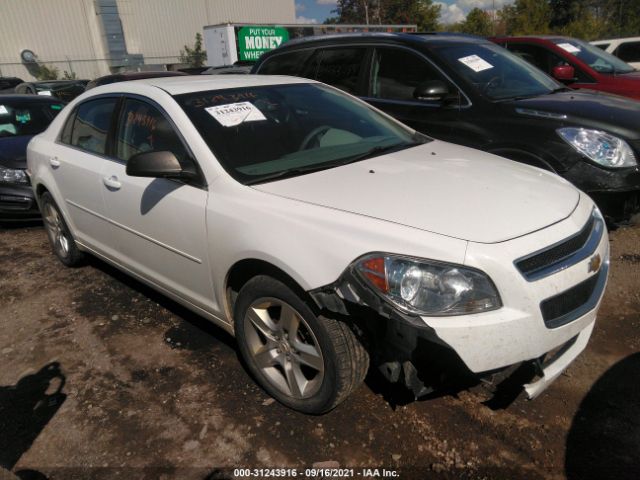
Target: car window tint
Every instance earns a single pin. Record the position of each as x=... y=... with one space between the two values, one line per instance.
x=629 y=52
x=603 y=46
x=26 y=118
x=91 y=125
x=142 y=128
x=544 y=59
x=340 y=67
x=396 y=73
x=65 y=136
x=292 y=63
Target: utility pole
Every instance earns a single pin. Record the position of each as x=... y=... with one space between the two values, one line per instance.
x=365 y=3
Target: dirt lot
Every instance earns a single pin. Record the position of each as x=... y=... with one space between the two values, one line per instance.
x=101 y=377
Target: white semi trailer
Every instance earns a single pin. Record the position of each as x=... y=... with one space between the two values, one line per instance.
x=230 y=43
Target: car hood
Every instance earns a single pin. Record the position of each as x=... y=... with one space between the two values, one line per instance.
x=591 y=109
x=441 y=188
x=13 y=151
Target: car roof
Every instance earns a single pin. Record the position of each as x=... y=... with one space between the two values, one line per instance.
x=198 y=83
x=424 y=38
x=609 y=40
x=28 y=98
x=550 y=38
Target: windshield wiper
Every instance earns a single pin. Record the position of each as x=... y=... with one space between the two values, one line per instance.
x=372 y=152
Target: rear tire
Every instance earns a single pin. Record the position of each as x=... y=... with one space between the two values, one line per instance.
x=62 y=243
x=308 y=363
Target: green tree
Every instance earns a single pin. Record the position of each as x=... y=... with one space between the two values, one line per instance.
x=526 y=17
x=424 y=13
x=44 y=72
x=195 y=56
x=478 y=22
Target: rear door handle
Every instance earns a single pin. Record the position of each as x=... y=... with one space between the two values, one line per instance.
x=112 y=182
x=55 y=163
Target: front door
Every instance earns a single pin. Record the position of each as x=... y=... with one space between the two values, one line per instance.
x=159 y=223
x=395 y=75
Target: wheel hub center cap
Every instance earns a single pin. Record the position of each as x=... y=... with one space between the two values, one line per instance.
x=285 y=347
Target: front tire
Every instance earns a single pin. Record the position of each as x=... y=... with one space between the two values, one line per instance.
x=62 y=243
x=309 y=363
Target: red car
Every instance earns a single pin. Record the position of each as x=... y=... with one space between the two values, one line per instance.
x=576 y=63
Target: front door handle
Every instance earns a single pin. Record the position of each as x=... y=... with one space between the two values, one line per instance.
x=112 y=182
x=54 y=162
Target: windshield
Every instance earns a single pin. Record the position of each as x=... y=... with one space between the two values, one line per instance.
x=495 y=72
x=596 y=58
x=28 y=118
x=268 y=132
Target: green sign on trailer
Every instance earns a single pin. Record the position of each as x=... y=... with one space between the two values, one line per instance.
x=253 y=41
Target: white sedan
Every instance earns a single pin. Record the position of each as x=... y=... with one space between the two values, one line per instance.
x=322 y=233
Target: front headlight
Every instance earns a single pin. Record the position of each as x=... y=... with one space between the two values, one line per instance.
x=13 y=175
x=600 y=147
x=427 y=287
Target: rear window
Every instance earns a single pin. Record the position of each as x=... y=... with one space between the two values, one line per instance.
x=91 y=125
x=29 y=118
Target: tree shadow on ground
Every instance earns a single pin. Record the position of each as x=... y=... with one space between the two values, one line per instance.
x=604 y=439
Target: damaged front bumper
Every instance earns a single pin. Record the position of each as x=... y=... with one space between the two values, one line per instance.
x=430 y=354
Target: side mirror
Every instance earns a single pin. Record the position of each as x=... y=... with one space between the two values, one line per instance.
x=162 y=164
x=434 y=90
x=564 y=73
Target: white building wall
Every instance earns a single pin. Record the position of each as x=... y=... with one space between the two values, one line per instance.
x=159 y=29
x=66 y=33
x=62 y=33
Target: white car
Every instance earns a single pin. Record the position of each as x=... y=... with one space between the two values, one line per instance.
x=626 y=49
x=322 y=233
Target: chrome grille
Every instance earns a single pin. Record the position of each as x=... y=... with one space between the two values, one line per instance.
x=564 y=254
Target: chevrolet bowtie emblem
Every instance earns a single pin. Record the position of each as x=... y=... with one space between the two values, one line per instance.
x=594 y=263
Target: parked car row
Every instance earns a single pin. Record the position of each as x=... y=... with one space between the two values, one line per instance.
x=331 y=234
x=469 y=91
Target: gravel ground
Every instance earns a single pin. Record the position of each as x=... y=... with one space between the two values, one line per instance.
x=103 y=378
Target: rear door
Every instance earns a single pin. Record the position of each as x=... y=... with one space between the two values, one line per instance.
x=395 y=74
x=159 y=223
x=76 y=161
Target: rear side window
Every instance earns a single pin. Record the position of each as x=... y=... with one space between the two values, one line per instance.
x=341 y=67
x=396 y=73
x=91 y=125
x=603 y=46
x=628 y=52
x=292 y=63
x=143 y=128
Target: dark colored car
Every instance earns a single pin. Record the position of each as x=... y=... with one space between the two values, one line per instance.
x=228 y=70
x=21 y=117
x=470 y=91
x=65 y=90
x=576 y=63
x=126 y=76
x=9 y=84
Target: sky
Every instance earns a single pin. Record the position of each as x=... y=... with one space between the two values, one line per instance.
x=316 y=11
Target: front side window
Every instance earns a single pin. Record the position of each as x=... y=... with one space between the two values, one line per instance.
x=272 y=132
x=27 y=118
x=544 y=59
x=298 y=63
x=494 y=72
x=341 y=67
x=142 y=128
x=91 y=125
x=629 y=52
x=597 y=59
x=396 y=73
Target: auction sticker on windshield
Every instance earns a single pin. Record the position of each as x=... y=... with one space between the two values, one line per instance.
x=234 y=114
x=567 y=47
x=3 y=110
x=475 y=63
